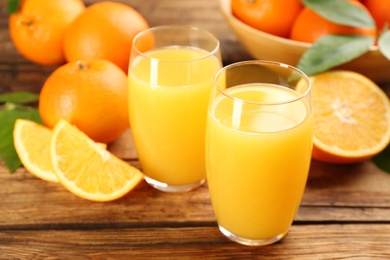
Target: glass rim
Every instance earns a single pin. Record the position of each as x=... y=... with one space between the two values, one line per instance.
x=265 y=62
x=181 y=27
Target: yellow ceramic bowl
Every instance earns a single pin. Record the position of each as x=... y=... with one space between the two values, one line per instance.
x=265 y=46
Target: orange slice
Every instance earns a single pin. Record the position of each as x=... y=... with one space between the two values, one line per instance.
x=86 y=169
x=351 y=117
x=32 y=142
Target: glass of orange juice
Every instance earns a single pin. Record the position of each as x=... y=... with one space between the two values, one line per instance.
x=171 y=74
x=258 y=149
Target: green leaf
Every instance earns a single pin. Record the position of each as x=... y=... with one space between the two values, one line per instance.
x=8 y=117
x=12 y=6
x=382 y=161
x=21 y=97
x=384 y=44
x=333 y=50
x=341 y=12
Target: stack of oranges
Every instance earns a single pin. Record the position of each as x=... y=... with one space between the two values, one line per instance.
x=90 y=90
x=83 y=103
x=291 y=19
x=54 y=32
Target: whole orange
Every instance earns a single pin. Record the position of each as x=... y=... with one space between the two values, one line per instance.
x=91 y=94
x=380 y=11
x=310 y=26
x=37 y=29
x=270 y=16
x=105 y=30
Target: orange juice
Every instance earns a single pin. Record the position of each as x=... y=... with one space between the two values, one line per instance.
x=168 y=95
x=258 y=158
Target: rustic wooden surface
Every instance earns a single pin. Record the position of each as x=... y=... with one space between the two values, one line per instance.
x=345 y=212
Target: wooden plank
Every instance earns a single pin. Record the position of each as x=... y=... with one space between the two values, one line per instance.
x=328 y=214
x=358 y=193
x=28 y=202
x=302 y=242
x=361 y=184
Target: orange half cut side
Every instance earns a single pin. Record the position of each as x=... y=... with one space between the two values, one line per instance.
x=351 y=117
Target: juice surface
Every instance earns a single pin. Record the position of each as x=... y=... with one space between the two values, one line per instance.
x=258 y=161
x=168 y=110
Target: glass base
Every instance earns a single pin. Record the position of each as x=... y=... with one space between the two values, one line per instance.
x=174 y=188
x=251 y=242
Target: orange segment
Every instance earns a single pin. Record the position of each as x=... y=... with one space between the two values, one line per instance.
x=32 y=142
x=351 y=117
x=86 y=169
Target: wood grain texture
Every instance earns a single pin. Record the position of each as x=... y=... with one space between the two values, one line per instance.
x=30 y=203
x=302 y=242
x=344 y=214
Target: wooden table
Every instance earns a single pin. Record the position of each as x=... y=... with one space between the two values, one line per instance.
x=345 y=211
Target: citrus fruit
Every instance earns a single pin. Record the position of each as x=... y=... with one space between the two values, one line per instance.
x=270 y=16
x=351 y=117
x=32 y=143
x=380 y=11
x=310 y=26
x=37 y=29
x=88 y=170
x=91 y=94
x=105 y=30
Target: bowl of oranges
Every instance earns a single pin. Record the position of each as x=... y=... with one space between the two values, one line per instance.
x=287 y=30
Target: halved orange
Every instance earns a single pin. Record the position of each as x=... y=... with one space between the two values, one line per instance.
x=351 y=117
x=86 y=169
x=32 y=142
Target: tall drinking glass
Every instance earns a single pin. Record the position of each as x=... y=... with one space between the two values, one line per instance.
x=171 y=75
x=258 y=149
